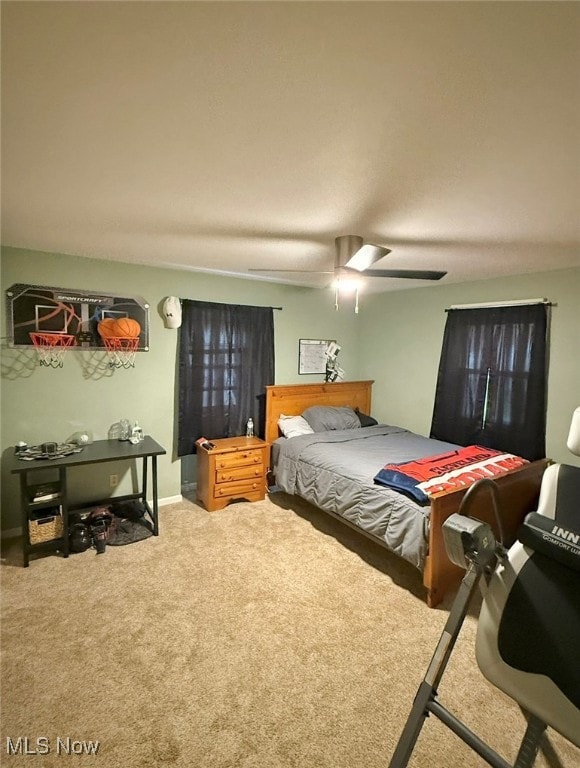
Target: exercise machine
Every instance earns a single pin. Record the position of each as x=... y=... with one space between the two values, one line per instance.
x=528 y=631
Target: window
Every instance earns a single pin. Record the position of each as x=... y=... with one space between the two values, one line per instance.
x=491 y=385
x=226 y=359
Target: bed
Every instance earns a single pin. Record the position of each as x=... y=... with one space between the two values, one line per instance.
x=335 y=471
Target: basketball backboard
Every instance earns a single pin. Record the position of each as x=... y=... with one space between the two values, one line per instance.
x=34 y=308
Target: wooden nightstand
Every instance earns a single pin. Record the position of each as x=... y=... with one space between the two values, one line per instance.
x=234 y=469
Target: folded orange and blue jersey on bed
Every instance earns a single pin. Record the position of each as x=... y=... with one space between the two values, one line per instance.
x=448 y=471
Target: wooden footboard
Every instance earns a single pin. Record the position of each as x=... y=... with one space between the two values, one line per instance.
x=518 y=490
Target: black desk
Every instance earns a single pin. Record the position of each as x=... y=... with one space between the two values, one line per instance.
x=95 y=453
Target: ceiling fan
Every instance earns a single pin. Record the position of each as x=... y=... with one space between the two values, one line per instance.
x=353 y=256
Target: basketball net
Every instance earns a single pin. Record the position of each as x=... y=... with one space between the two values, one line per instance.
x=121 y=350
x=51 y=347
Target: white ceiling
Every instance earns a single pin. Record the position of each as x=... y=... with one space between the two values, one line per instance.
x=228 y=136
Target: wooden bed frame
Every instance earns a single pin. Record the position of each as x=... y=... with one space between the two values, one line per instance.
x=518 y=490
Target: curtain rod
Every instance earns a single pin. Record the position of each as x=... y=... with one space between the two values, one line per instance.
x=221 y=302
x=485 y=305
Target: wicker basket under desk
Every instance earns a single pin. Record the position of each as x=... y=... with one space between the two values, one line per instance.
x=47 y=527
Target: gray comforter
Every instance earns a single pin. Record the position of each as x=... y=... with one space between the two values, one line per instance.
x=335 y=471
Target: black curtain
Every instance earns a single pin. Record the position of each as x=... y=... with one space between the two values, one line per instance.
x=226 y=359
x=491 y=385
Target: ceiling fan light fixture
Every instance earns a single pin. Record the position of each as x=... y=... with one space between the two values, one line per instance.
x=346 y=285
x=365 y=256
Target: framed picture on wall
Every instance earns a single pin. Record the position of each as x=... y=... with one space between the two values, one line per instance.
x=312 y=355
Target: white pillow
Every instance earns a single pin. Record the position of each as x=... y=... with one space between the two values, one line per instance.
x=292 y=426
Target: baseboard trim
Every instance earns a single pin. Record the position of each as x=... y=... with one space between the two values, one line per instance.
x=169 y=500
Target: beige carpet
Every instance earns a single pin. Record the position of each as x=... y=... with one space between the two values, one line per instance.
x=265 y=636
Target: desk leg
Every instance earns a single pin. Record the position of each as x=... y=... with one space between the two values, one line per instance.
x=155 y=505
x=24 y=518
x=144 y=480
x=64 y=508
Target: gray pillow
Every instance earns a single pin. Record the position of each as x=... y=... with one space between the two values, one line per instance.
x=323 y=418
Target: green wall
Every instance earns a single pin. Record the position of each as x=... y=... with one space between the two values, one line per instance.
x=39 y=404
x=395 y=340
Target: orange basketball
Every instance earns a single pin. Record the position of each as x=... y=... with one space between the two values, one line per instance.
x=126 y=328
x=106 y=328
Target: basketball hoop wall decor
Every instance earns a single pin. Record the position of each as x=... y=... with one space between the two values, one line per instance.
x=121 y=339
x=51 y=347
x=54 y=320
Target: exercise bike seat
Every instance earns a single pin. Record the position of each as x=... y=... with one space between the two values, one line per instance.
x=528 y=635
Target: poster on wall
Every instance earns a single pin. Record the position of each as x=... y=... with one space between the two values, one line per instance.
x=34 y=309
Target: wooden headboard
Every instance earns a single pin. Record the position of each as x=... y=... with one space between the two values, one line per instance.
x=293 y=399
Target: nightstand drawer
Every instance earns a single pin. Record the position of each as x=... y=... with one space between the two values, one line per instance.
x=238 y=488
x=238 y=459
x=240 y=473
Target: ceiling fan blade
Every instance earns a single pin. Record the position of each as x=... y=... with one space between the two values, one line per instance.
x=410 y=274
x=365 y=256
x=352 y=259
x=306 y=271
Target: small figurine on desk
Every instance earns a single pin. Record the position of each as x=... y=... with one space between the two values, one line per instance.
x=250 y=427
x=122 y=430
x=136 y=434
